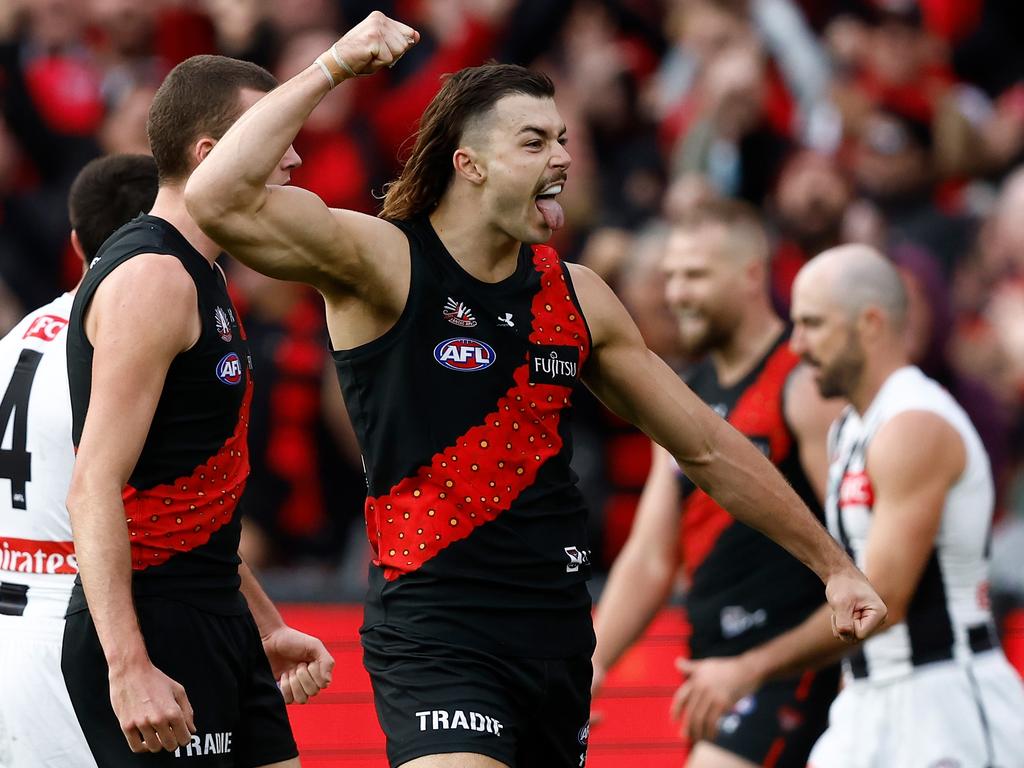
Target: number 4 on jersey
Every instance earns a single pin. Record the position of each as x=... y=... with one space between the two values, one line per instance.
x=16 y=461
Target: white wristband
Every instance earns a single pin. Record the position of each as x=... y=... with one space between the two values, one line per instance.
x=341 y=61
x=327 y=73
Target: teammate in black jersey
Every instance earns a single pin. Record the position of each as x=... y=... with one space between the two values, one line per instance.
x=460 y=346
x=160 y=387
x=742 y=588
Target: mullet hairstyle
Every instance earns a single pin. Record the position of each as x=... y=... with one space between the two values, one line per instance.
x=465 y=95
x=199 y=97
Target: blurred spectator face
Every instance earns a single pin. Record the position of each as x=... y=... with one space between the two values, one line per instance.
x=128 y=24
x=124 y=130
x=302 y=48
x=290 y=16
x=700 y=283
x=55 y=23
x=898 y=47
x=812 y=197
x=709 y=28
x=735 y=88
x=686 y=192
x=889 y=160
x=1006 y=241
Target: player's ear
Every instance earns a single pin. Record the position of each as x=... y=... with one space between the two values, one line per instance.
x=201 y=149
x=468 y=166
x=76 y=246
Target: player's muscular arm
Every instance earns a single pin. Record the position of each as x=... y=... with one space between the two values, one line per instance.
x=809 y=417
x=640 y=387
x=287 y=232
x=141 y=317
x=913 y=461
x=642 y=576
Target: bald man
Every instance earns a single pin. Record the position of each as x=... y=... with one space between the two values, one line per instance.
x=910 y=497
x=742 y=588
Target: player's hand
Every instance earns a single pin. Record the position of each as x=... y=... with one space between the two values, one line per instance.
x=375 y=42
x=857 y=610
x=711 y=689
x=152 y=709
x=300 y=663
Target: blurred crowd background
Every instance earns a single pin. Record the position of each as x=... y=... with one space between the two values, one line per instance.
x=893 y=122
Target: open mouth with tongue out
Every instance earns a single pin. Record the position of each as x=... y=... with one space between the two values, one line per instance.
x=550 y=208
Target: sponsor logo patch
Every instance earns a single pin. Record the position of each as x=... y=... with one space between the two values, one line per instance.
x=856 y=491
x=229 y=369
x=457 y=313
x=554 y=364
x=462 y=354
x=46 y=327
x=220 y=318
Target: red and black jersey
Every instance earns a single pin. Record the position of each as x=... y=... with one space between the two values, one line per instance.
x=745 y=588
x=181 y=498
x=462 y=410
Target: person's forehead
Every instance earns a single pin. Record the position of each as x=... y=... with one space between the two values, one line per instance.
x=691 y=246
x=518 y=112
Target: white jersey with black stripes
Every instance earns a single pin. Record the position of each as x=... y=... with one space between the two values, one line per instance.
x=951 y=600
x=37 y=562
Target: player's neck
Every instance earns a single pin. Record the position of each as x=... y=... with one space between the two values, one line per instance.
x=485 y=252
x=170 y=206
x=877 y=370
x=755 y=336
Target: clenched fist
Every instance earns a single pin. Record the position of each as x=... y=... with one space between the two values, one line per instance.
x=375 y=42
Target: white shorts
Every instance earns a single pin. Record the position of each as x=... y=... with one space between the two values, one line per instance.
x=935 y=718
x=38 y=727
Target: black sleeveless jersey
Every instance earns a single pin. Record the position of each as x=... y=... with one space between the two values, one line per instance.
x=462 y=410
x=745 y=588
x=181 y=498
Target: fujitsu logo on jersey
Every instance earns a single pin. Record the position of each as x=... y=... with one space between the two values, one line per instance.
x=464 y=354
x=457 y=313
x=554 y=364
x=229 y=369
x=46 y=327
x=855 y=490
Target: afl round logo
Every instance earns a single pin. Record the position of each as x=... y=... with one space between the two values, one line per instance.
x=229 y=369
x=464 y=354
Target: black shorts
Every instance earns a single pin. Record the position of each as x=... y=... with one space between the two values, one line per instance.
x=239 y=711
x=434 y=697
x=778 y=724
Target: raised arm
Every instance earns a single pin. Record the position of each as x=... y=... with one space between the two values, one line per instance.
x=287 y=232
x=641 y=578
x=636 y=384
x=131 y=356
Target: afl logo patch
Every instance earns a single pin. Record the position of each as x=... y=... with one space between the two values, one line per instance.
x=229 y=369
x=220 y=319
x=464 y=354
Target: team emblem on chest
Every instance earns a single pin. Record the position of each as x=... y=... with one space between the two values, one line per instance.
x=461 y=354
x=223 y=323
x=457 y=313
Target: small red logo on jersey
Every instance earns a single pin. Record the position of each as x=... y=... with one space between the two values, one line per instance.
x=457 y=313
x=46 y=327
x=220 y=319
x=856 y=491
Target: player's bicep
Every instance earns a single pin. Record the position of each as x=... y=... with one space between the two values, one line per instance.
x=913 y=461
x=295 y=236
x=136 y=327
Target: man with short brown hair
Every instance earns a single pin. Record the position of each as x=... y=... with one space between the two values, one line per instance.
x=161 y=384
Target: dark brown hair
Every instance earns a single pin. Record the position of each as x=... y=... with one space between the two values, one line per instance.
x=108 y=193
x=200 y=97
x=464 y=96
